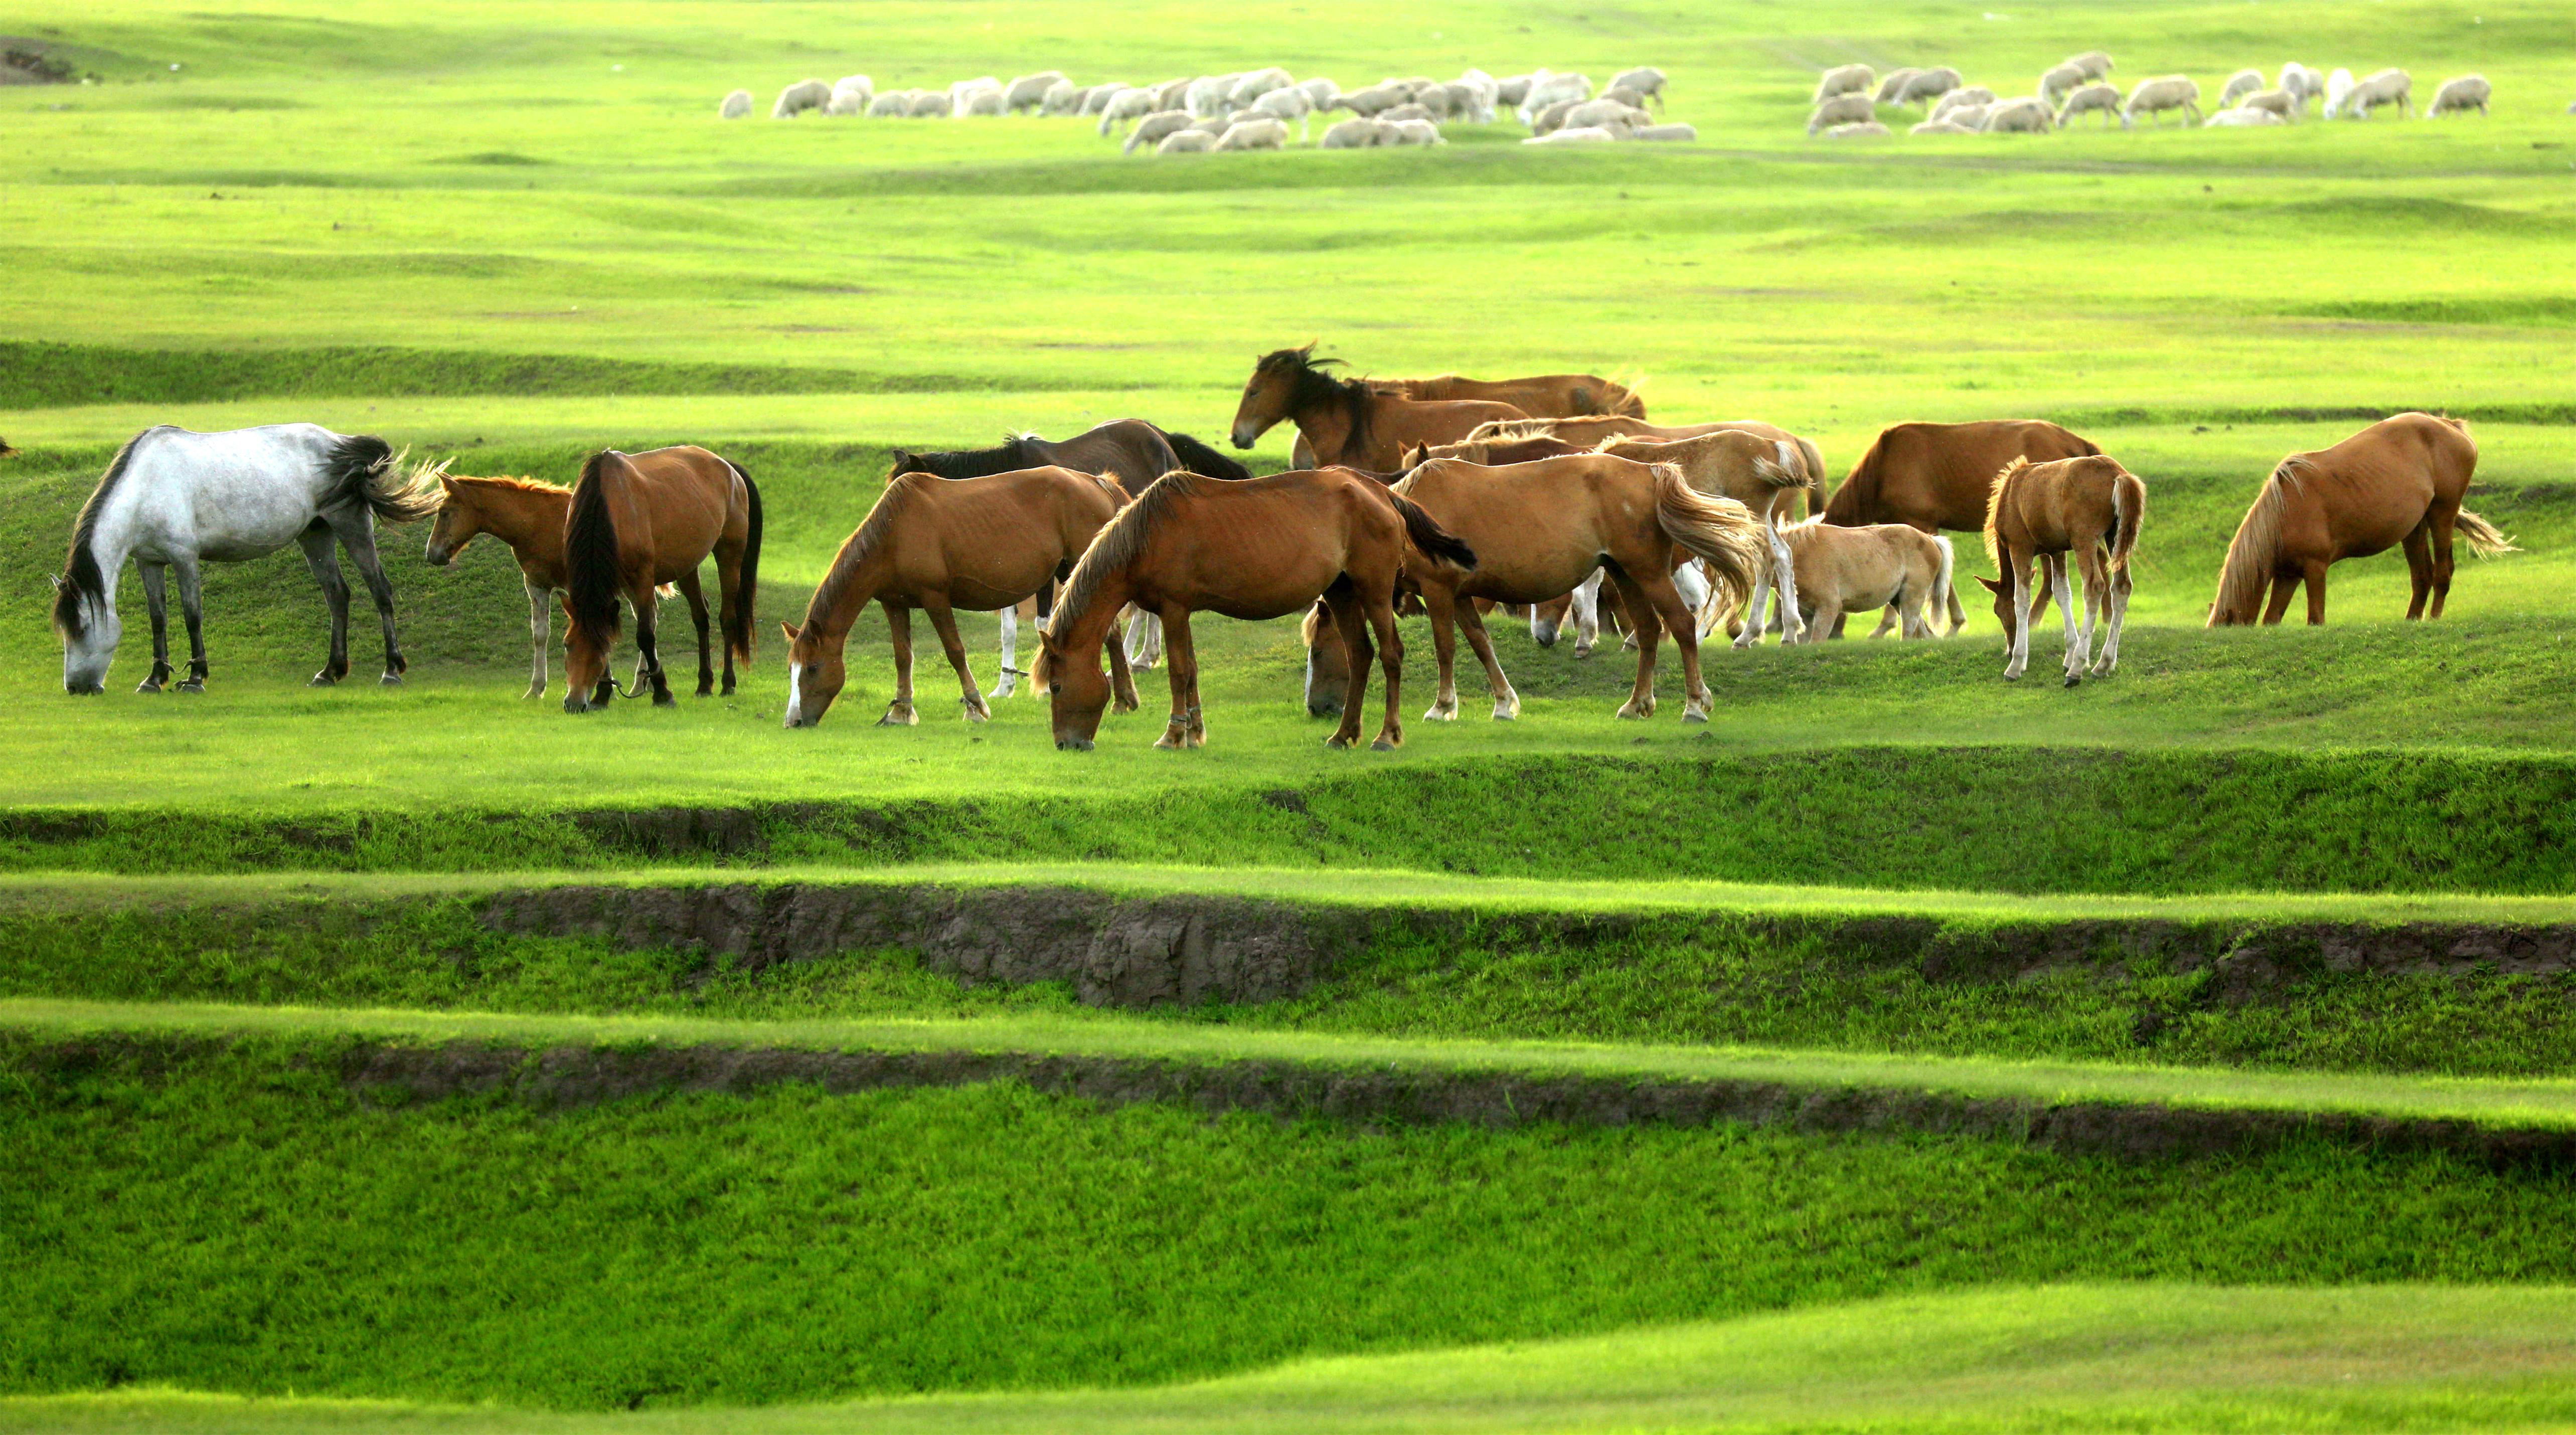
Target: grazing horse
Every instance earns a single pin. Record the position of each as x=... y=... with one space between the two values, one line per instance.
x=938 y=545
x=2090 y=507
x=172 y=498
x=1593 y=432
x=1541 y=528
x=1259 y=549
x=2398 y=481
x=1542 y=396
x=639 y=521
x=1345 y=421
x=1894 y=566
x=528 y=516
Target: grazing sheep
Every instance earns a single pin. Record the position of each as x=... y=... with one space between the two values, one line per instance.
x=2028 y=115
x=1284 y=105
x=1511 y=91
x=851 y=95
x=2239 y=119
x=797 y=98
x=1152 y=128
x=1621 y=94
x=2338 y=85
x=1645 y=80
x=1484 y=86
x=1125 y=105
x=735 y=106
x=1186 y=142
x=1372 y=101
x=1264 y=133
x=1842 y=109
x=1669 y=134
x=1928 y=86
x=978 y=101
x=1608 y=115
x=1551 y=119
x=2090 y=99
x=1574 y=136
x=2094 y=63
x=1097 y=98
x=1064 y=97
x=1028 y=92
x=929 y=105
x=1207 y=95
x=2057 y=81
x=1942 y=127
x=1258 y=83
x=1972 y=117
x=1844 y=80
x=2388 y=87
x=1319 y=92
x=2279 y=102
x=1961 y=98
x=2239 y=85
x=2156 y=96
x=1169 y=94
x=893 y=104
x=1416 y=132
x=2302 y=83
x=1354 y=134
x=2468 y=92
x=1543 y=93
x=1470 y=102
x=1859 y=131
x=1893 y=83
x=1406 y=111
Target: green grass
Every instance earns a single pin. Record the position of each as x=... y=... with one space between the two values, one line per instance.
x=239 y=1219
x=2147 y=1358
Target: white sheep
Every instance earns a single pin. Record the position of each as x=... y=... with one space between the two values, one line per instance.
x=1064 y=97
x=1972 y=117
x=1152 y=128
x=1841 y=109
x=1893 y=83
x=2338 y=85
x=1028 y=92
x=930 y=105
x=2239 y=85
x=1097 y=98
x=2279 y=102
x=2165 y=92
x=1189 y=141
x=1928 y=86
x=1319 y=92
x=1606 y=114
x=1872 y=129
x=2239 y=118
x=1645 y=80
x=1125 y=105
x=2388 y=87
x=1354 y=134
x=2093 y=98
x=1960 y=98
x=797 y=98
x=893 y=103
x=2060 y=80
x=1942 y=127
x=1418 y=132
x=735 y=106
x=1669 y=134
x=1574 y=136
x=1287 y=104
x=1844 y=80
x=1543 y=93
x=2028 y=115
x=2468 y=92
x=1264 y=133
x=2094 y=63
x=1258 y=83
x=2302 y=83
x=851 y=95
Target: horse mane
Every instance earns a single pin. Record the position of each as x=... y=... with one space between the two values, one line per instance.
x=1198 y=458
x=1316 y=389
x=890 y=505
x=82 y=577
x=524 y=485
x=1995 y=506
x=590 y=553
x=973 y=462
x=1120 y=540
x=1492 y=430
x=1861 y=484
x=2247 y=570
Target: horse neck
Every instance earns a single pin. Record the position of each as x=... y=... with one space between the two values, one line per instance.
x=845 y=591
x=1081 y=634
x=1327 y=426
x=532 y=523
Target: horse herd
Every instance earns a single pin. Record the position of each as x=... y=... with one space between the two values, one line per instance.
x=1551 y=497
x=1848 y=98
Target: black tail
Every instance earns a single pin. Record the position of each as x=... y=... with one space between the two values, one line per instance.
x=590 y=554
x=358 y=466
x=1435 y=541
x=746 y=593
x=1204 y=461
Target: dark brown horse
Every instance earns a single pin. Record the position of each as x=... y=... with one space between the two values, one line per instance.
x=1258 y=549
x=642 y=520
x=1132 y=451
x=1346 y=421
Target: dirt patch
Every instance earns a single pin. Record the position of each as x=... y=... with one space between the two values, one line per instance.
x=562 y=1077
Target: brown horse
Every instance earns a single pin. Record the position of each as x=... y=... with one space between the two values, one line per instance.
x=2398 y=481
x=641 y=520
x=1130 y=451
x=1541 y=528
x=1494 y=452
x=2090 y=507
x=1766 y=475
x=1591 y=433
x=940 y=545
x=528 y=516
x=1542 y=396
x=1259 y=549
x=1345 y=421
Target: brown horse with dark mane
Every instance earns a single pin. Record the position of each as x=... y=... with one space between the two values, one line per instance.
x=940 y=545
x=2398 y=481
x=1541 y=396
x=1131 y=451
x=1347 y=421
x=638 y=521
x=528 y=516
x=1259 y=549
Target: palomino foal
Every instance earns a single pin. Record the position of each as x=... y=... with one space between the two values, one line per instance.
x=2090 y=507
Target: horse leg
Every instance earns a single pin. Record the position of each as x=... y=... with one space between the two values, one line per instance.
x=2079 y=660
x=2017 y=652
x=945 y=620
x=2109 y=662
x=1122 y=679
x=697 y=597
x=1507 y=703
x=1390 y=656
x=2285 y=586
x=1648 y=631
x=2065 y=593
x=729 y=591
x=2443 y=519
x=357 y=533
x=1144 y=641
x=2315 y=578
x=1357 y=651
x=1665 y=602
x=1891 y=619
x=316 y=540
x=899 y=713
x=648 y=642
x=1748 y=625
x=157 y=597
x=1443 y=606
x=1587 y=614
x=1008 y=622
x=540 y=629
x=1185 y=727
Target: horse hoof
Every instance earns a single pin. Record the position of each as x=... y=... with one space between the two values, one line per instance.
x=390 y=680
x=1507 y=714
x=1694 y=715
x=536 y=692
x=324 y=679
x=1169 y=742
x=2074 y=679
x=1440 y=714
x=192 y=685
x=148 y=685
x=900 y=715
x=975 y=710
x=1338 y=742
x=664 y=699
x=1385 y=745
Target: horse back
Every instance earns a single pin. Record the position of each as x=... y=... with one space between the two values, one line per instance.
x=680 y=502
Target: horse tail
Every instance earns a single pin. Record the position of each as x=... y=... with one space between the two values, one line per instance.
x=1428 y=537
x=746 y=581
x=591 y=576
x=1944 y=593
x=1719 y=532
x=1200 y=459
x=1995 y=507
x=364 y=470
x=2254 y=550
x=2485 y=539
x=1815 y=458
x=2128 y=510
x=1619 y=399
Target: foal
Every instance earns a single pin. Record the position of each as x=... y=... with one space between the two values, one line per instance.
x=529 y=516
x=2090 y=507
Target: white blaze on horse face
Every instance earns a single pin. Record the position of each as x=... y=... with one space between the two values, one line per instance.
x=795 y=691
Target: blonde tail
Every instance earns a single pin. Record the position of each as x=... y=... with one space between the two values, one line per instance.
x=1720 y=532
x=2485 y=539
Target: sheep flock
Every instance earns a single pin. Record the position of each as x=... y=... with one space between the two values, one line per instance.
x=1849 y=97
x=1255 y=109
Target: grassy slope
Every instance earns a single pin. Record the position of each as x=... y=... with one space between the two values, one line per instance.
x=245 y=1222
x=2145 y=1358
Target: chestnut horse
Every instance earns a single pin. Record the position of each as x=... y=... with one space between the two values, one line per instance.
x=1539 y=529
x=528 y=516
x=1258 y=549
x=2090 y=507
x=1765 y=475
x=2398 y=481
x=940 y=545
x=1345 y=421
x=638 y=521
x=1542 y=396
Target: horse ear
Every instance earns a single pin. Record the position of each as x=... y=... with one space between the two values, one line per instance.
x=59 y=584
x=789 y=629
x=1991 y=585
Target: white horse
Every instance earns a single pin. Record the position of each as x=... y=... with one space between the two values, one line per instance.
x=172 y=499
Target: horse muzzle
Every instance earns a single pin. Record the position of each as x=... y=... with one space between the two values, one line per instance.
x=1073 y=744
x=85 y=690
x=577 y=701
x=1243 y=436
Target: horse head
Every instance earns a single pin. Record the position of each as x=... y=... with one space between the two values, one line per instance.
x=1077 y=693
x=1272 y=393
x=454 y=529
x=815 y=672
